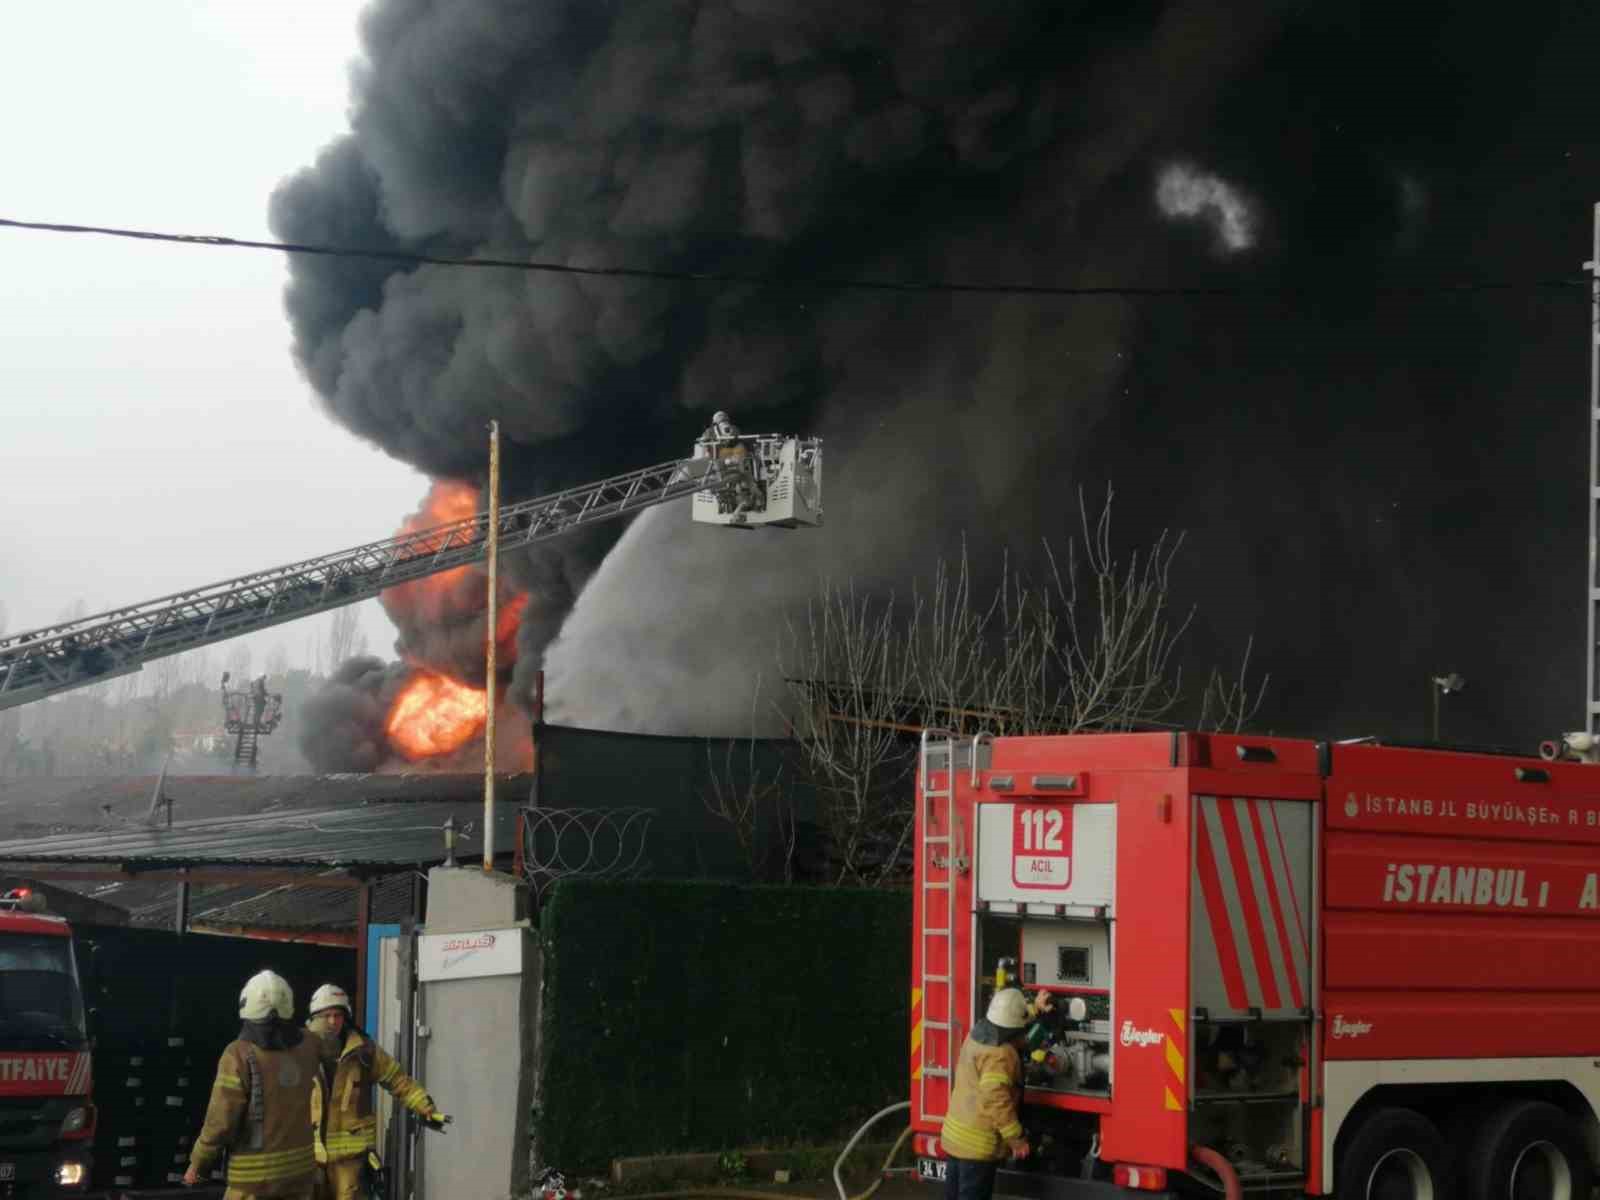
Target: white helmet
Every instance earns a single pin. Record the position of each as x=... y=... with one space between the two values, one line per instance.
x=719 y=418
x=1008 y=1009
x=331 y=995
x=264 y=994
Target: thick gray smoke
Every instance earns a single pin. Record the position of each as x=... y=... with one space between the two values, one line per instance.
x=343 y=724
x=980 y=143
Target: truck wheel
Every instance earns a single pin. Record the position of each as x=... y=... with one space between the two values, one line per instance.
x=1396 y=1154
x=1528 y=1150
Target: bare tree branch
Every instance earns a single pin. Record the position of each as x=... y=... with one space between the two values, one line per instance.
x=1229 y=705
x=741 y=798
x=343 y=627
x=1090 y=647
x=850 y=730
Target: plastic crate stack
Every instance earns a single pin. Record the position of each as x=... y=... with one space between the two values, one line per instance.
x=151 y=1096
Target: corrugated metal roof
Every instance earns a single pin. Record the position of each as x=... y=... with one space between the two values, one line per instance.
x=78 y=804
x=288 y=907
x=368 y=835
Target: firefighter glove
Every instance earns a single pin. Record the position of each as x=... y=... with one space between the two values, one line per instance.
x=436 y=1120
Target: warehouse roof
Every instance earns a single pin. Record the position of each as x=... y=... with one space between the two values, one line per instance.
x=375 y=834
x=54 y=805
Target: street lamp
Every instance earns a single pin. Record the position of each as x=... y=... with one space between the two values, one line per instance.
x=1443 y=685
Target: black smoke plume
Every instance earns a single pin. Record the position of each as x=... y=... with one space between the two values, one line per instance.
x=1378 y=487
x=345 y=726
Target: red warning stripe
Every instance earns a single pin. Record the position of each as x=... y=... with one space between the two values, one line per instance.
x=1205 y=864
x=1269 y=872
x=1249 y=902
x=1299 y=920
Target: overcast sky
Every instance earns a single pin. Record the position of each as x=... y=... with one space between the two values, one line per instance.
x=156 y=434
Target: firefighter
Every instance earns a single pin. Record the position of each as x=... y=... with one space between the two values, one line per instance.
x=982 y=1126
x=343 y=1123
x=721 y=441
x=722 y=429
x=258 y=1102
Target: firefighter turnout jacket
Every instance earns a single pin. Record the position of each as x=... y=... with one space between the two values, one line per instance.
x=346 y=1126
x=982 y=1120
x=257 y=1114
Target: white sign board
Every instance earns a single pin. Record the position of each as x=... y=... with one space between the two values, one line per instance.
x=469 y=955
x=1047 y=852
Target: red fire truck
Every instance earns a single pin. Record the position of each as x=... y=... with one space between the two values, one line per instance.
x=46 y=1118
x=1281 y=966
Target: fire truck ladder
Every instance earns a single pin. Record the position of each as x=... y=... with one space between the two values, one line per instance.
x=246 y=748
x=58 y=658
x=937 y=894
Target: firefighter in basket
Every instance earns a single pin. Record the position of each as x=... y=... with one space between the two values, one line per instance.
x=257 y=1113
x=343 y=1123
x=982 y=1126
x=721 y=440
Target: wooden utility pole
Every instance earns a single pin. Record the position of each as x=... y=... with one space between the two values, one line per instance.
x=491 y=638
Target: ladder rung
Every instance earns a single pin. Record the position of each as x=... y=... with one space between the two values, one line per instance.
x=937 y=1072
x=936 y=1024
x=942 y=839
x=935 y=933
x=927 y=979
x=934 y=885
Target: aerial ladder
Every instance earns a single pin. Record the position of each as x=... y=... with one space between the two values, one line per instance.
x=249 y=712
x=744 y=481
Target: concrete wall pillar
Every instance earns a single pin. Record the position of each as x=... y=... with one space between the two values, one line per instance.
x=478 y=1060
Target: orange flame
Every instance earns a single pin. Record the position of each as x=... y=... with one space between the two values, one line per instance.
x=461 y=592
x=434 y=715
x=446 y=501
x=506 y=625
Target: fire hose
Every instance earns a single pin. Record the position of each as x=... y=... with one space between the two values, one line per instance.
x=1208 y=1157
x=838 y=1182
x=1203 y=1155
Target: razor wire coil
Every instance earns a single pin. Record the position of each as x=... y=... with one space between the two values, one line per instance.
x=589 y=843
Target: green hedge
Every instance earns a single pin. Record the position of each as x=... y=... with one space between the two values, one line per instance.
x=704 y=1016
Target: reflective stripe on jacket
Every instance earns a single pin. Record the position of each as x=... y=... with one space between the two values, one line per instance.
x=268 y=1145
x=983 y=1102
x=348 y=1127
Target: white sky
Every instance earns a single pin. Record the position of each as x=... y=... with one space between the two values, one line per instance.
x=154 y=433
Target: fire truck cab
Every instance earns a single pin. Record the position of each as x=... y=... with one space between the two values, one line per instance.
x=47 y=1119
x=1281 y=966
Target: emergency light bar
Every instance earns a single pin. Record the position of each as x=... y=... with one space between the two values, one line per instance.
x=23 y=899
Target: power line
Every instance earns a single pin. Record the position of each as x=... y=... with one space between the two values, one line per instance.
x=834 y=283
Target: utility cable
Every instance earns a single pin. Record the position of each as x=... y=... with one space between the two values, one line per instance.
x=834 y=283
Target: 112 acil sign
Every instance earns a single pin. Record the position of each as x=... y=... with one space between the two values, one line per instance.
x=1041 y=846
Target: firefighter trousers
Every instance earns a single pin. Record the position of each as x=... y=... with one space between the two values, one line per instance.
x=968 y=1180
x=341 y=1180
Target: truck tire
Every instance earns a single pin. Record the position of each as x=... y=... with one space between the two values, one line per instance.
x=1395 y=1154
x=1528 y=1150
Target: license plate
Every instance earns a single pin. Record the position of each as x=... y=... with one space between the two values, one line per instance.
x=931 y=1168
x=8 y=1171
